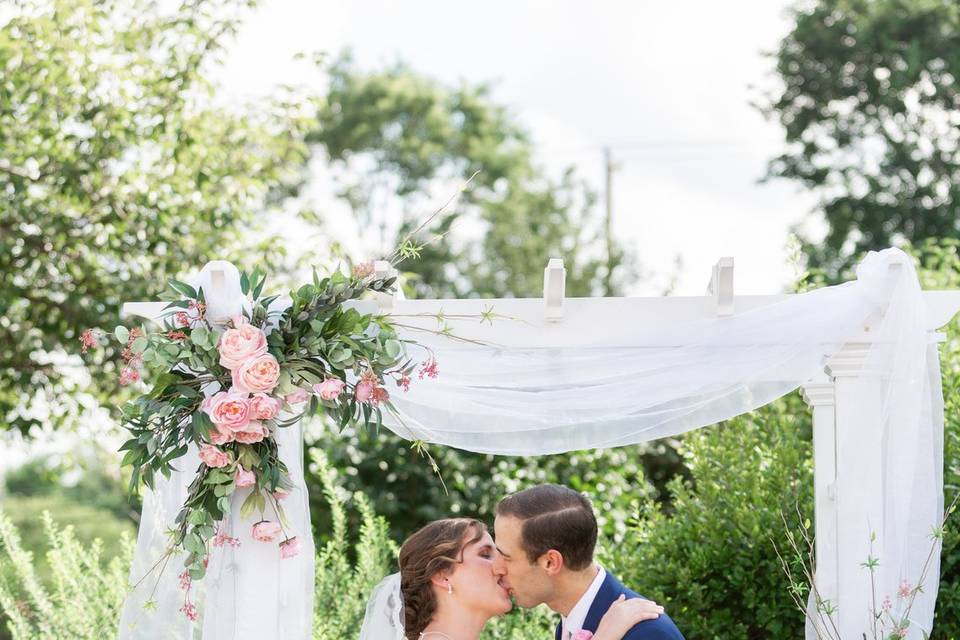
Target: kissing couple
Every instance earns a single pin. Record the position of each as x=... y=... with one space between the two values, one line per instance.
x=454 y=576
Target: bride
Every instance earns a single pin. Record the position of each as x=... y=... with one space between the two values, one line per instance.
x=447 y=590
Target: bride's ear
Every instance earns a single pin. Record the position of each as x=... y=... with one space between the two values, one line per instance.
x=441 y=580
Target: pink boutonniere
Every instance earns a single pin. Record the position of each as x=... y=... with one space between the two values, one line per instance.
x=583 y=634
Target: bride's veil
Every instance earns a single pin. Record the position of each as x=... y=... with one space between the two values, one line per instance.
x=384 y=617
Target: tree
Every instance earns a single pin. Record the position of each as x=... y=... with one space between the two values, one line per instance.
x=870 y=109
x=116 y=173
x=397 y=136
x=400 y=137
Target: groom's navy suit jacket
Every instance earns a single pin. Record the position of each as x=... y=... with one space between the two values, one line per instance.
x=660 y=629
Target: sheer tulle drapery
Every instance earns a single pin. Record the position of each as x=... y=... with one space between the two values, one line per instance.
x=612 y=385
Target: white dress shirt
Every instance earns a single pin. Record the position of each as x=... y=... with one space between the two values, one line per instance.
x=578 y=614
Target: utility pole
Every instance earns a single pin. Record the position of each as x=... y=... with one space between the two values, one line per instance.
x=609 y=168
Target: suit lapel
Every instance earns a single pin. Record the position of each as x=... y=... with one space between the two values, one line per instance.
x=605 y=596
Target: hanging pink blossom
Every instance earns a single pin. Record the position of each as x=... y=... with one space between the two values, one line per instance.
x=289 y=547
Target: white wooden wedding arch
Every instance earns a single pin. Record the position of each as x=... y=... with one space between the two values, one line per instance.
x=844 y=398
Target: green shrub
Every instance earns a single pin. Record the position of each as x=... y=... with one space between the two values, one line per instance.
x=80 y=599
x=711 y=563
x=86 y=522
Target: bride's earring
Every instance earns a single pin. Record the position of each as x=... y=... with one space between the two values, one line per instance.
x=449 y=588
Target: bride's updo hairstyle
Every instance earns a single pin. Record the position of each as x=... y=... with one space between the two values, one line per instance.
x=434 y=548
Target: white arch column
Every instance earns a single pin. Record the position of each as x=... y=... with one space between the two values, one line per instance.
x=859 y=485
x=820 y=397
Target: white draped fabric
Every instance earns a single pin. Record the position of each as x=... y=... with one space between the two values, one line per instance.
x=607 y=387
x=603 y=385
x=249 y=591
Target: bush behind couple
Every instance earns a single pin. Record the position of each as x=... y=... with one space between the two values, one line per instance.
x=454 y=577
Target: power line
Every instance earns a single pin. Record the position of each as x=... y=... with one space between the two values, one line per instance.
x=649 y=146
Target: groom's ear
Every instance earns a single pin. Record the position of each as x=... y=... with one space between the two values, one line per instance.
x=552 y=562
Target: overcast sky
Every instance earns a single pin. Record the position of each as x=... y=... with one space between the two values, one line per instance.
x=666 y=85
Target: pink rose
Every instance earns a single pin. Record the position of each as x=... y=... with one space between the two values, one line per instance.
x=280 y=493
x=330 y=388
x=583 y=634
x=213 y=457
x=252 y=433
x=229 y=410
x=257 y=374
x=298 y=396
x=264 y=407
x=219 y=437
x=364 y=390
x=266 y=531
x=241 y=343
x=244 y=478
x=289 y=547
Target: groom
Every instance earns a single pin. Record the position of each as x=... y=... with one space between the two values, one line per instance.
x=545 y=536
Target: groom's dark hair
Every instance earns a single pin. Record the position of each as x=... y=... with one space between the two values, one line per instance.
x=554 y=517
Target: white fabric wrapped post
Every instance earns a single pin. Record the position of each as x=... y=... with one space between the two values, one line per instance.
x=820 y=396
x=249 y=591
x=622 y=371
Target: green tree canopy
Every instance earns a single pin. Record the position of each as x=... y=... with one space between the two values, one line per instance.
x=870 y=107
x=403 y=133
x=115 y=172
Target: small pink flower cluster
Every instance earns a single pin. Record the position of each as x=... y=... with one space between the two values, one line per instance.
x=904 y=590
x=363 y=269
x=368 y=390
x=223 y=538
x=131 y=371
x=89 y=339
x=188 y=609
x=429 y=369
x=193 y=315
x=185 y=581
x=128 y=376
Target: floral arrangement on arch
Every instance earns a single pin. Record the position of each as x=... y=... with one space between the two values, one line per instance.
x=269 y=369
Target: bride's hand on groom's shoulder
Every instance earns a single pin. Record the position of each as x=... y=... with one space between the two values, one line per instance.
x=623 y=615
